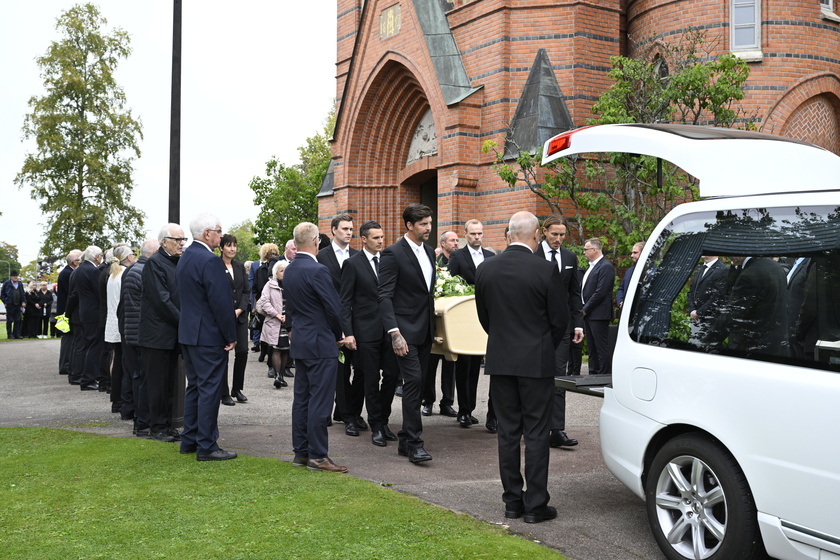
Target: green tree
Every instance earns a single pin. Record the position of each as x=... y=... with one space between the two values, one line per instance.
x=81 y=170
x=286 y=195
x=8 y=260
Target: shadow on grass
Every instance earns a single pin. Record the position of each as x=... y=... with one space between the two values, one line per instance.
x=69 y=495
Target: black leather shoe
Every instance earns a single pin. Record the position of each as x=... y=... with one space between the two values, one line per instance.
x=176 y=435
x=74 y=382
x=187 y=449
x=473 y=419
x=350 y=429
x=227 y=401
x=419 y=455
x=91 y=387
x=464 y=421
x=288 y=373
x=361 y=424
x=377 y=437
x=280 y=382
x=447 y=410
x=513 y=513
x=255 y=348
x=218 y=455
x=142 y=433
x=162 y=436
x=492 y=425
x=426 y=410
x=239 y=396
x=389 y=435
x=559 y=438
x=546 y=513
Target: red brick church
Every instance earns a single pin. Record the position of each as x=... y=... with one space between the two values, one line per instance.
x=422 y=84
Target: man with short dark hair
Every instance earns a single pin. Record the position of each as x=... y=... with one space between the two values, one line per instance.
x=362 y=324
x=596 y=294
x=14 y=298
x=349 y=385
x=406 y=301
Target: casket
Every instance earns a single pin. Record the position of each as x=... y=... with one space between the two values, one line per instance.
x=457 y=330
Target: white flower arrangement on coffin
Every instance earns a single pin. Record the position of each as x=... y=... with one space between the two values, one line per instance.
x=447 y=285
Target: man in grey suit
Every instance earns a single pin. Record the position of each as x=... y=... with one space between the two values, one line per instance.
x=525 y=317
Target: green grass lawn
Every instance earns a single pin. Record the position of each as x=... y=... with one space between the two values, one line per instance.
x=68 y=495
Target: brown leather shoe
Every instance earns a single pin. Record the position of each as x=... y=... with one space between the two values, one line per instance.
x=300 y=461
x=325 y=464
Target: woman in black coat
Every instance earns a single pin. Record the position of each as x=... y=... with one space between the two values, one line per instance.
x=241 y=301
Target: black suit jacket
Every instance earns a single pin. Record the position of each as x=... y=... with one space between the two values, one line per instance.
x=405 y=301
x=756 y=311
x=597 y=292
x=569 y=282
x=523 y=312
x=461 y=263
x=241 y=290
x=360 y=314
x=85 y=282
x=326 y=257
x=708 y=290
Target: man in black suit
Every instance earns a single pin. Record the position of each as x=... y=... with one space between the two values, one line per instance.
x=206 y=332
x=406 y=301
x=316 y=313
x=596 y=292
x=448 y=244
x=85 y=285
x=361 y=321
x=464 y=262
x=74 y=257
x=157 y=336
x=705 y=296
x=349 y=387
x=796 y=277
x=554 y=231
x=755 y=315
x=525 y=317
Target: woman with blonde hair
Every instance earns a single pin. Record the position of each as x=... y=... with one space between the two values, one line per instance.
x=123 y=257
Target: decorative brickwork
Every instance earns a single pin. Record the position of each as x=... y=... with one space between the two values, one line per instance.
x=386 y=82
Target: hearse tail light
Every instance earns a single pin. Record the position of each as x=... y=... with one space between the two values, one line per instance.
x=562 y=141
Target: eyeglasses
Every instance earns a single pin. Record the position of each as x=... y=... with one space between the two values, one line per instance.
x=219 y=231
x=588 y=249
x=177 y=239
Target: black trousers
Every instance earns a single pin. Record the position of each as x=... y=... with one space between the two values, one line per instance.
x=160 y=368
x=92 y=347
x=377 y=364
x=523 y=410
x=349 y=389
x=447 y=381
x=65 y=352
x=467 y=371
x=77 y=353
x=413 y=368
x=240 y=361
x=598 y=341
x=132 y=364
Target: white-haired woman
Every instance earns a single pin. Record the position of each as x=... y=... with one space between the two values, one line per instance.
x=277 y=324
x=122 y=257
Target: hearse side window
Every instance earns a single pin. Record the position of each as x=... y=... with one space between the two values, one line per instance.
x=757 y=283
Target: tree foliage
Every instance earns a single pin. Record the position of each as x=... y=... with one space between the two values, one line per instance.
x=86 y=140
x=8 y=260
x=621 y=197
x=286 y=195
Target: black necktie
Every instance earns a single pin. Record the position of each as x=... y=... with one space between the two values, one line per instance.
x=376 y=265
x=554 y=255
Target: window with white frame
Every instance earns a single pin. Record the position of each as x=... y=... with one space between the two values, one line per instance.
x=745 y=25
x=829 y=4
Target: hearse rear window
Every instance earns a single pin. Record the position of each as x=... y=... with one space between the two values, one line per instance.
x=759 y=283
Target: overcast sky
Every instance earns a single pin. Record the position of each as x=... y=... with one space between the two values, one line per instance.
x=258 y=78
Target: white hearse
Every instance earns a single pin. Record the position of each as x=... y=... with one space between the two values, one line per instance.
x=731 y=434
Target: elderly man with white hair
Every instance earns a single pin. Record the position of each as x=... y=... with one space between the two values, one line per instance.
x=207 y=331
